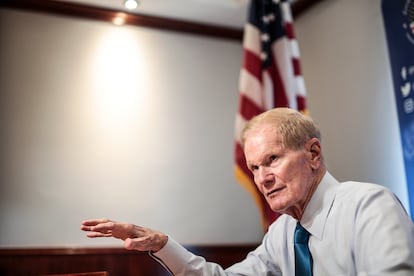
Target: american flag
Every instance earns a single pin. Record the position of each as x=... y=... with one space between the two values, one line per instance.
x=270 y=77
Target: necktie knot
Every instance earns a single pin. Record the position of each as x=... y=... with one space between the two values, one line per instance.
x=301 y=235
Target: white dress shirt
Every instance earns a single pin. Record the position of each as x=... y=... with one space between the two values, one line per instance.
x=356 y=229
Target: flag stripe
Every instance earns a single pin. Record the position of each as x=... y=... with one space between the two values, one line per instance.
x=251 y=39
x=290 y=34
x=252 y=63
x=248 y=108
x=296 y=67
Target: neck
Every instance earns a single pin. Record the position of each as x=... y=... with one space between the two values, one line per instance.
x=317 y=179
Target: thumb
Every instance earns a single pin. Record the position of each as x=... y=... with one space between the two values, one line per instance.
x=135 y=244
x=129 y=244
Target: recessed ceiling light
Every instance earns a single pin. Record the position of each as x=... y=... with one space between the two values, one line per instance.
x=131 y=4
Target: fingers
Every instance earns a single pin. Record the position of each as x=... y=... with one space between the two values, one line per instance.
x=107 y=228
x=135 y=237
x=93 y=222
x=104 y=227
x=98 y=227
x=98 y=235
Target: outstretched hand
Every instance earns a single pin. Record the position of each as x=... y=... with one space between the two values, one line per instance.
x=134 y=237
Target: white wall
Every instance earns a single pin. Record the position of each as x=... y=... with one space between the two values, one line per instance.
x=157 y=149
x=129 y=123
x=350 y=94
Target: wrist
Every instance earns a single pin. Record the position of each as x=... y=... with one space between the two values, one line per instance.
x=162 y=241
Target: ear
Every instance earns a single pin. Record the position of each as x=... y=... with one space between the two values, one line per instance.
x=314 y=150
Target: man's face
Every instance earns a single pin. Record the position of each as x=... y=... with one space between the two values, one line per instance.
x=283 y=176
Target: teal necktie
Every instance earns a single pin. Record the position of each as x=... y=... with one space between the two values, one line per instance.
x=303 y=258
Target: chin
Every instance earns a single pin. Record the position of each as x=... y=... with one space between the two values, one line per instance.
x=277 y=206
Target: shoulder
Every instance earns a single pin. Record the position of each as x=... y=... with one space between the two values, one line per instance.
x=367 y=197
x=354 y=191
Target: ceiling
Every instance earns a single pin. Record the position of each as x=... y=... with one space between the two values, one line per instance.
x=226 y=13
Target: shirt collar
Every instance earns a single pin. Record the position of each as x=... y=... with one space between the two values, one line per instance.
x=316 y=213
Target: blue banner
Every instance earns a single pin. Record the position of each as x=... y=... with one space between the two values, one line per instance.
x=399 y=27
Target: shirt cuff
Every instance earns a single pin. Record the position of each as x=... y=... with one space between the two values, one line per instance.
x=173 y=257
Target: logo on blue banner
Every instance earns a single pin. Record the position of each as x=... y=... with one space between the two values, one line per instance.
x=399 y=27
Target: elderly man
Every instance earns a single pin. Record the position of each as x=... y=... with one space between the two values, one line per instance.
x=326 y=227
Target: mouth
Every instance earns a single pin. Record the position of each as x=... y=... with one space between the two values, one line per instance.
x=274 y=192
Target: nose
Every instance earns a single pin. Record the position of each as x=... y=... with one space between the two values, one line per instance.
x=264 y=177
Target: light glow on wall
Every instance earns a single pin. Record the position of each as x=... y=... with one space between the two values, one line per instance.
x=120 y=81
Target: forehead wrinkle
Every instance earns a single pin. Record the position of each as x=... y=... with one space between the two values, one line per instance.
x=262 y=141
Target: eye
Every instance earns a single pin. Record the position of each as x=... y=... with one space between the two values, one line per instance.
x=273 y=157
x=254 y=168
